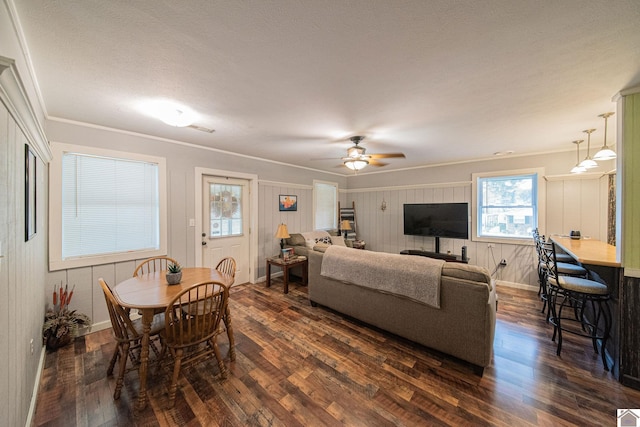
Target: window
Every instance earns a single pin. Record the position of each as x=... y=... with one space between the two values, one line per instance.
x=105 y=206
x=507 y=205
x=325 y=204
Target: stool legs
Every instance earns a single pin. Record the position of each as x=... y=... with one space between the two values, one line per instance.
x=578 y=302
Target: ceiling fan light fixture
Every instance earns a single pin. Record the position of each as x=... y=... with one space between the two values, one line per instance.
x=355 y=151
x=356 y=164
x=605 y=152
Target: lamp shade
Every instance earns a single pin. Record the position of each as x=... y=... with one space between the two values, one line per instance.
x=282 y=232
x=345 y=225
x=356 y=164
x=605 y=152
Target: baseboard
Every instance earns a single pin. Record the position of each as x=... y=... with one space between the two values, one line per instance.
x=629 y=381
x=515 y=285
x=36 y=387
x=264 y=278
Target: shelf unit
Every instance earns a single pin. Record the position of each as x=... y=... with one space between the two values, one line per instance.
x=349 y=214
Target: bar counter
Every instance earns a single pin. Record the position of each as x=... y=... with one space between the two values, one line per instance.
x=600 y=259
x=588 y=251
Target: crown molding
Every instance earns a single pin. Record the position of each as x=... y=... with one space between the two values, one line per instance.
x=14 y=96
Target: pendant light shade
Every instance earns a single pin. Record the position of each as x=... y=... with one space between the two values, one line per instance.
x=588 y=162
x=577 y=168
x=605 y=152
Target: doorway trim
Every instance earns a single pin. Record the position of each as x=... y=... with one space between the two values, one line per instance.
x=253 y=214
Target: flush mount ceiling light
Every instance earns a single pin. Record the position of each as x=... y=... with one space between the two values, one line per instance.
x=605 y=152
x=577 y=168
x=171 y=113
x=588 y=162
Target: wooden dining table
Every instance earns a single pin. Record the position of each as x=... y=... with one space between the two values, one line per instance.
x=149 y=292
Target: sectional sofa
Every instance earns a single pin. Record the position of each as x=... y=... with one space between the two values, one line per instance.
x=462 y=326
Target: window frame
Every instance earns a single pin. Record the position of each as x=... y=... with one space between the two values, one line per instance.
x=315 y=204
x=56 y=262
x=540 y=206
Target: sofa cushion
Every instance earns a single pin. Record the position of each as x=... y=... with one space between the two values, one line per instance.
x=337 y=240
x=314 y=234
x=310 y=243
x=321 y=247
x=295 y=239
x=470 y=272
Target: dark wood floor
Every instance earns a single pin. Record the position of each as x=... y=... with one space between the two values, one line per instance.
x=303 y=366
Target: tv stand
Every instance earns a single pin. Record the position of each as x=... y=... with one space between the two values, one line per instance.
x=437 y=255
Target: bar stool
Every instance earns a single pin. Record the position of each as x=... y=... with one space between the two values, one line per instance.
x=543 y=249
x=577 y=293
x=562 y=257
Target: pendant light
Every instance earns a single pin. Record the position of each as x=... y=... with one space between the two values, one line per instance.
x=588 y=162
x=605 y=152
x=577 y=168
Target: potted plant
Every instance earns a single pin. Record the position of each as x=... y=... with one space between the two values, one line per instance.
x=60 y=323
x=174 y=274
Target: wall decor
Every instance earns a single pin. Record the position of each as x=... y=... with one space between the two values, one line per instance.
x=288 y=202
x=30 y=179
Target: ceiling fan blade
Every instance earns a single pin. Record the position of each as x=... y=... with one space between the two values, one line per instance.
x=386 y=155
x=373 y=162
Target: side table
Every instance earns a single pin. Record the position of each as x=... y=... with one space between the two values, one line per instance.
x=358 y=244
x=285 y=266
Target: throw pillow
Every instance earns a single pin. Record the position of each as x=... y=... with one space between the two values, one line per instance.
x=310 y=243
x=338 y=241
x=296 y=239
x=324 y=239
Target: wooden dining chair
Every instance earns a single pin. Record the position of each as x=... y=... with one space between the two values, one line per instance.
x=151 y=265
x=228 y=266
x=192 y=324
x=128 y=336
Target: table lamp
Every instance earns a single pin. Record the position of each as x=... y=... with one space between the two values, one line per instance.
x=282 y=233
x=345 y=226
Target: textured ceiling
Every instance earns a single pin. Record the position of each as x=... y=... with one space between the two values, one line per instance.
x=289 y=80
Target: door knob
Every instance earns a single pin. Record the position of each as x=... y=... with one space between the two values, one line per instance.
x=204 y=243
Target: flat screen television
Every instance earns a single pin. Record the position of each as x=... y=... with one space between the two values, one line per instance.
x=449 y=220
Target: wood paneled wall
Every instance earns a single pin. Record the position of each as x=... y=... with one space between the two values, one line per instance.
x=22 y=276
x=573 y=203
x=269 y=217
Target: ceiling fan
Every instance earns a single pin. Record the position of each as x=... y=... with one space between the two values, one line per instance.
x=357 y=158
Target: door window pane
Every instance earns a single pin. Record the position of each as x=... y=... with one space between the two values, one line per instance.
x=225 y=210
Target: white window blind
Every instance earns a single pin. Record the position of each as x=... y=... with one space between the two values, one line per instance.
x=105 y=206
x=326 y=205
x=109 y=205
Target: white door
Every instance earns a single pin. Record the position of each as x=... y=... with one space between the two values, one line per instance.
x=225 y=222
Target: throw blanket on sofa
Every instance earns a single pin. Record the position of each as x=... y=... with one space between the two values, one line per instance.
x=414 y=277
